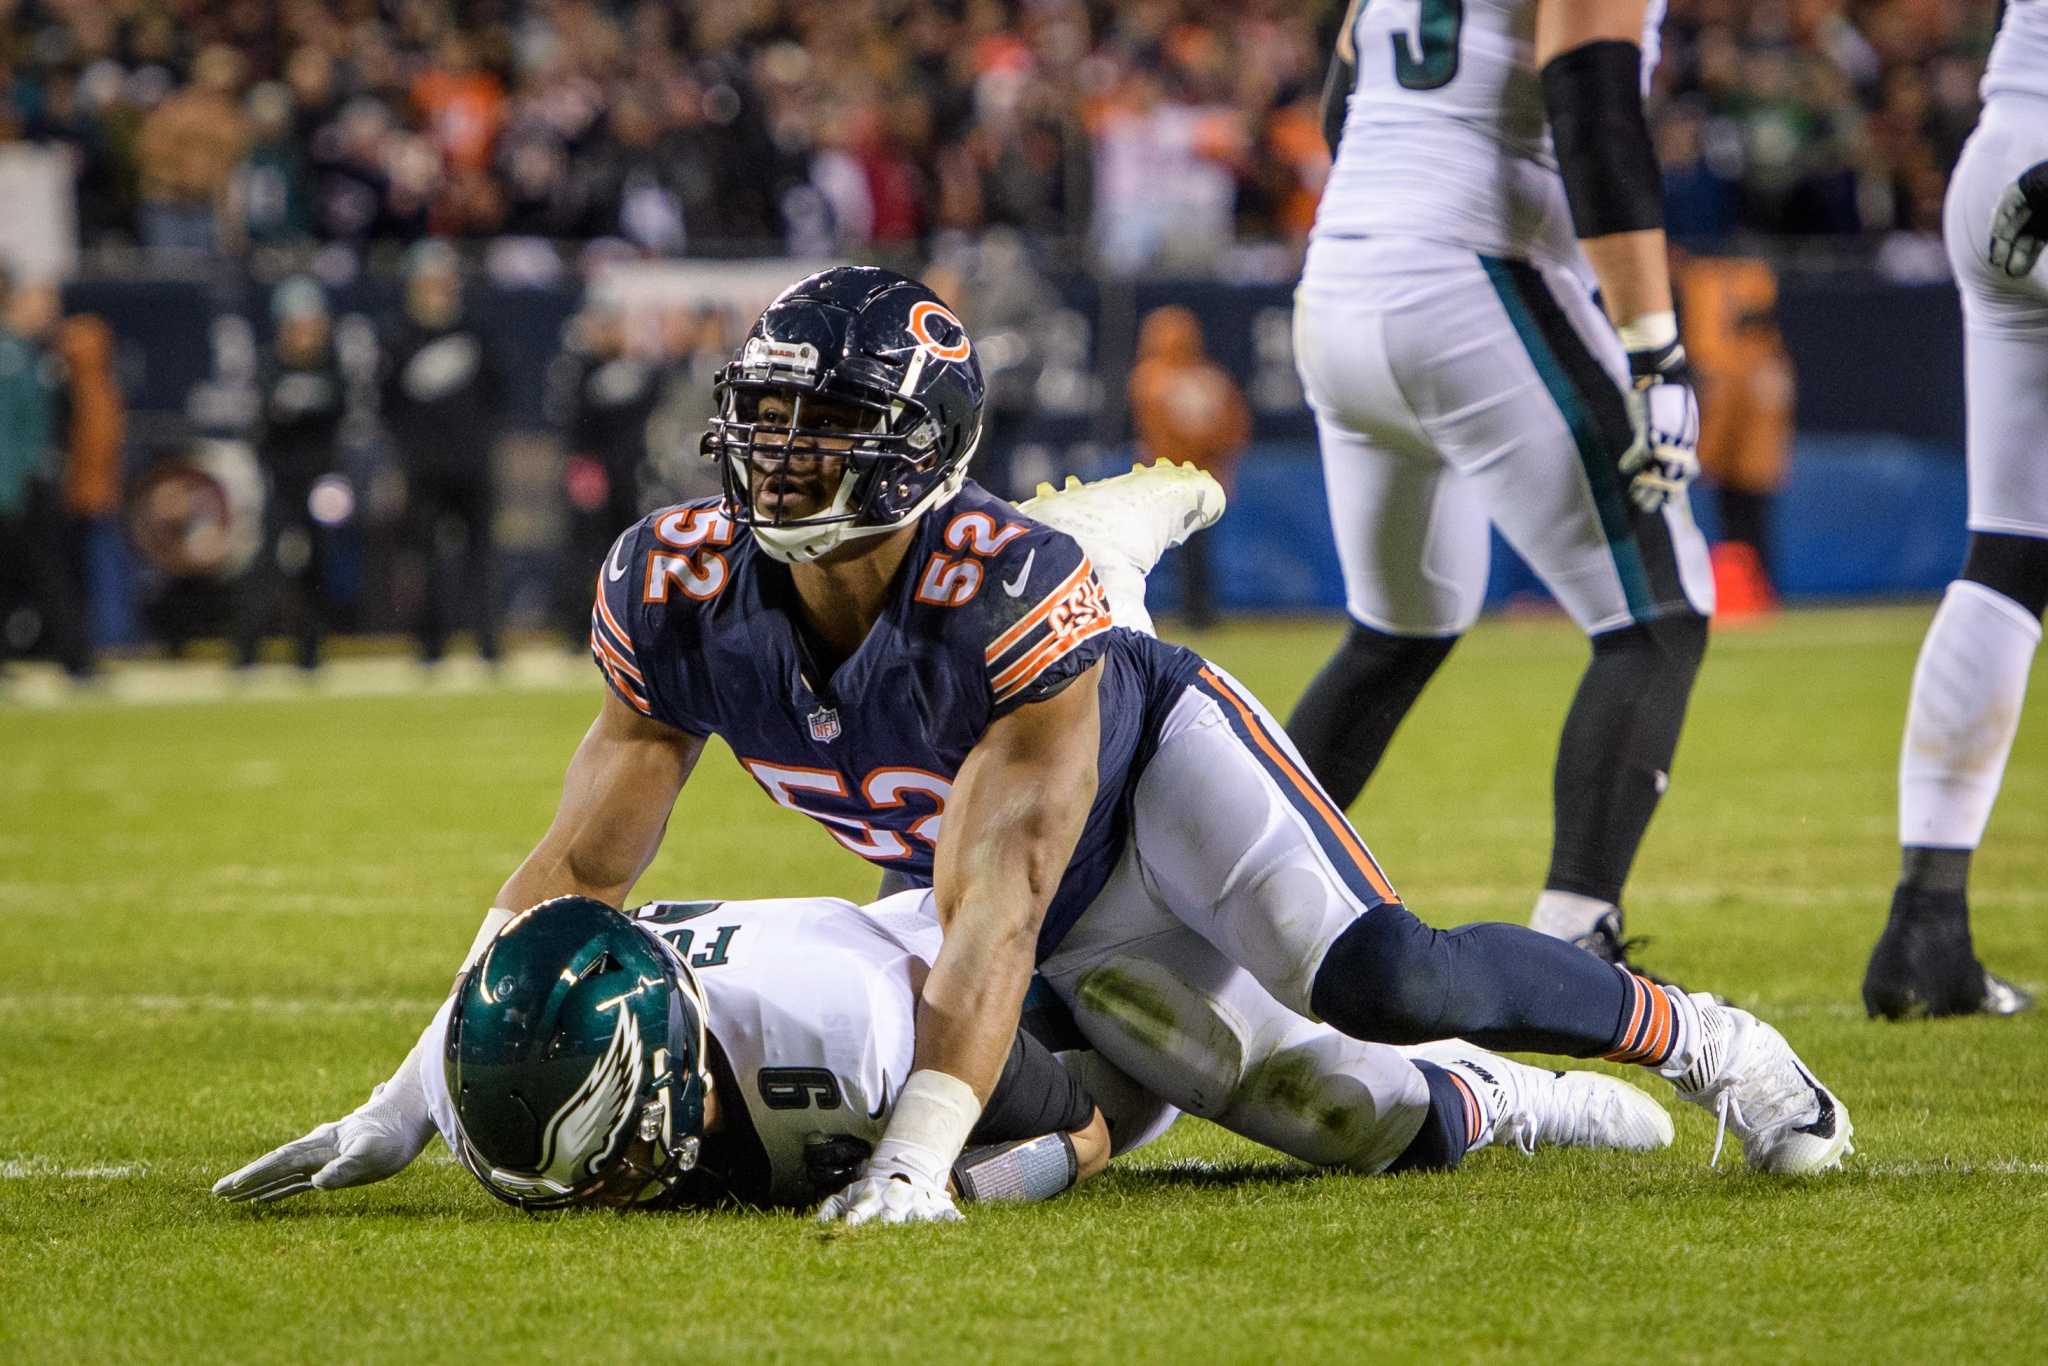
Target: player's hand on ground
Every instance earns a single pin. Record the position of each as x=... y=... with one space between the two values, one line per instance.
x=1665 y=412
x=375 y=1141
x=889 y=1200
x=2019 y=225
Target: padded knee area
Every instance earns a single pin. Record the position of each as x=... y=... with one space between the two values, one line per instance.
x=1173 y=1038
x=1388 y=978
x=2016 y=566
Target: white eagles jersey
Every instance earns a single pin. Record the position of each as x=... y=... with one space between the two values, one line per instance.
x=2019 y=55
x=814 y=1002
x=1445 y=136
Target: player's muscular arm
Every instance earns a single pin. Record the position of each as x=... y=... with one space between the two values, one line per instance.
x=1590 y=53
x=1017 y=809
x=1016 y=813
x=616 y=798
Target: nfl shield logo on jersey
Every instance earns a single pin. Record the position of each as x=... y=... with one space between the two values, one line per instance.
x=824 y=725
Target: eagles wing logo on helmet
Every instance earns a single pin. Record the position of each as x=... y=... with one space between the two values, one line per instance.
x=590 y=1121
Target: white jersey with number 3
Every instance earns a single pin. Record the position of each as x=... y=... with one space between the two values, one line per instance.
x=1445 y=136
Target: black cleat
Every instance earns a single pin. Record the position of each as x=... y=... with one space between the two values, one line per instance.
x=1605 y=943
x=1925 y=965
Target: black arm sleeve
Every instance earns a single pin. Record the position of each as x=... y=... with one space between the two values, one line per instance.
x=1594 y=98
x=1034 y=1096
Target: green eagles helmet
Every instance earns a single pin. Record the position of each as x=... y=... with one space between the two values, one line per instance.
x=576 y=1059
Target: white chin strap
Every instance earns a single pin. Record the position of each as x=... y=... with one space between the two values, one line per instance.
x=802 y=543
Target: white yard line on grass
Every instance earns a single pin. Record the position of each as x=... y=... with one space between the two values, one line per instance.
x=2002 y=1166
x=163 y=683
x=32 y=1168
x=252 y=1005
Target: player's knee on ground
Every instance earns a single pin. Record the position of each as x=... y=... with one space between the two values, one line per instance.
x=2015 y=566
x=1388 y=978
x=1163 y=1030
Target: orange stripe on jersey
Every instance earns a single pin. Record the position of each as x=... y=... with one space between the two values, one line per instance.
x=611 y=623
x=1009 y=639
x=1341 y=828
x=624 y=685
x=1052 y=652
x=611 y=653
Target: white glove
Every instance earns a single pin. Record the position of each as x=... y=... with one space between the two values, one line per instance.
x=2019 y=225
x=889 y=1200
x=379 y=1138
x=1666 y=415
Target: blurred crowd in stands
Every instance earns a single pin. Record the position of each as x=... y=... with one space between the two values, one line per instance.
x=1160 y=131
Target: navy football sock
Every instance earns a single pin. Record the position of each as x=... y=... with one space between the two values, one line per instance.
x=1389 y=978
x=1450 y=1127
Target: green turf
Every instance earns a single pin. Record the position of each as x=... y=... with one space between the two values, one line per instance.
x=220 y=924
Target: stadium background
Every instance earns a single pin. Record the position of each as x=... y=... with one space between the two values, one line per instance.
x=1063 y=168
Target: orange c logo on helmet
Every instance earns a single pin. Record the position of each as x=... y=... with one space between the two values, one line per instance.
x=921 y=315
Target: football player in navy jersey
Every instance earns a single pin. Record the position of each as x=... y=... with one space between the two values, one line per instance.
x=937 y=678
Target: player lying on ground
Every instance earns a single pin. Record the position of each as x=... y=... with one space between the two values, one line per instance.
x=935 y=676
x=707 y=1053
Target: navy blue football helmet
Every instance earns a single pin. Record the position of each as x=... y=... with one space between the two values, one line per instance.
x=868 y=363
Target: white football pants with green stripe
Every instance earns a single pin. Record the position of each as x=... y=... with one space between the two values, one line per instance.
x=1454 y=393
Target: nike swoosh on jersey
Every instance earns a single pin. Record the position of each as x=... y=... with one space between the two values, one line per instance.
x=615 y=568
x=1015 y=586
x=882 y=1105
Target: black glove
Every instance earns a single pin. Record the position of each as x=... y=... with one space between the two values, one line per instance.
x=2019 y=225
x=833 y=1161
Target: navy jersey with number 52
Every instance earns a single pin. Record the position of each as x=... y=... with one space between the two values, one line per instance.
x=697 y=628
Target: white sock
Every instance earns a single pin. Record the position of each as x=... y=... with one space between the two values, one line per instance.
x=1967 y=692
x=1567 y=915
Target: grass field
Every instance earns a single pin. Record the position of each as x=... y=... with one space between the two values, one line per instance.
x=222 y=923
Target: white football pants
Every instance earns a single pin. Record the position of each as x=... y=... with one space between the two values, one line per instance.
x=1192 y=970
x=1455 y=392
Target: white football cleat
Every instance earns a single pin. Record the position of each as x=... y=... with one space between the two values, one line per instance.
x=1752 y=1081
x=1127 y=522
x=1533 y=1107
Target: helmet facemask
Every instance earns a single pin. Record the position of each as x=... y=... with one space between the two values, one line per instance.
x=864 y=460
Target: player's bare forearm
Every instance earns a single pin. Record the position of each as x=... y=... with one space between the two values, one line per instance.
x=1634 y=273
x=1016 y=814
x=1091 y=1147
x=616 y=798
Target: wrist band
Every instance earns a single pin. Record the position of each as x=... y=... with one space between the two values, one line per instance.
x=1649 y=332
x=934 y=1115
